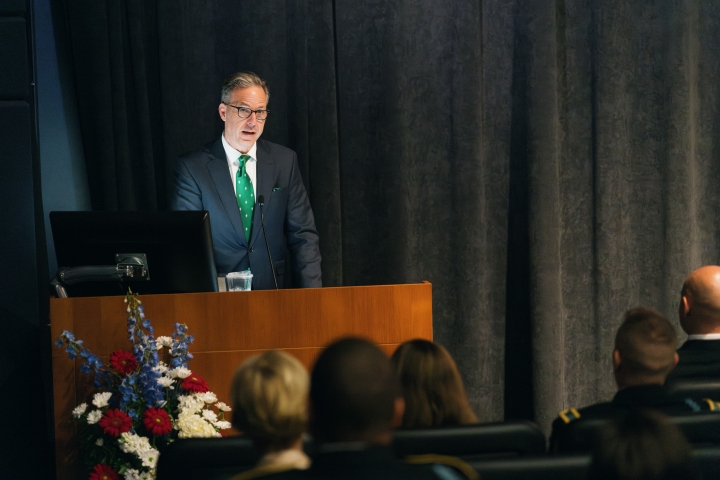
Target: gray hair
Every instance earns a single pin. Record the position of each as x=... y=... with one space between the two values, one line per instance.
x=242 y=80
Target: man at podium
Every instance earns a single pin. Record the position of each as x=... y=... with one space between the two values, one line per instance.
x=240 y=179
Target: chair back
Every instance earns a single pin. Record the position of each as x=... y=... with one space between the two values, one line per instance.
x=696 y=389
x=514 y=438
x=206 y=458
x=555 y=467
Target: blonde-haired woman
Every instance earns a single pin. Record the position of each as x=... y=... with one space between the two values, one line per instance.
x=269 y=395
x=432 y=387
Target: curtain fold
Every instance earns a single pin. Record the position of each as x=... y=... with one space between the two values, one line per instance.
x=545 y=164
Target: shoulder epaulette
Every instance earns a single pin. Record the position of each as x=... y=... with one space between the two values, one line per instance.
x=568 y=415
x=714 y=406
x=453 y=462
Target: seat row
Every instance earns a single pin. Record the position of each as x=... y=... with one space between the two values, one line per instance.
x=513 y=449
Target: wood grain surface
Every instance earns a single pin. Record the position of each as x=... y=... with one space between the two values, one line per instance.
x=228 y=328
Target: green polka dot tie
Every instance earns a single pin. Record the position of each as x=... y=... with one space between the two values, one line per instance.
x=245 y=195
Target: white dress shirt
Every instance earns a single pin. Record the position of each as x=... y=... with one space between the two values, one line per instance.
x=233 y=163
x=706 y=336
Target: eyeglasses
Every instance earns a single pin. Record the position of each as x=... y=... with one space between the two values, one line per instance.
x=244 y=112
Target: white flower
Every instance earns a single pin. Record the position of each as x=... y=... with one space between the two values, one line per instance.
x=94 y=417
x=101 y=399
x=207 y=397
x=166 y=382
x=79 y=410
x=209 y=415
x=189 y=403
x=190 y=425
x=163 y=342
x=160 y=367
x=149 y=458
x=180 y=372
x=139 y=446
x=132 y=474
x=222 y=424
x=99 y=442
x=132 y=443
x=223 y=407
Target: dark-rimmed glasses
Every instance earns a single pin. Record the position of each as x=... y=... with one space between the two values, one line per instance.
x=244 y=112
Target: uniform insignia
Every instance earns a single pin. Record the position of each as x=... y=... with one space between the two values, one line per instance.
x=693 y=405
x=714 y=406
x=568 y=415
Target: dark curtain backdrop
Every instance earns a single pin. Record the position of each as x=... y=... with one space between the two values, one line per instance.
x=546 y=164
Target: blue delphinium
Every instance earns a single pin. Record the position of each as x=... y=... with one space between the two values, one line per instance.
x=141 y=333
x=91 y=363
x=181 y=343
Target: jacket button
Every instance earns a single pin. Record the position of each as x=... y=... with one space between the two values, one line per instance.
x=251 y=249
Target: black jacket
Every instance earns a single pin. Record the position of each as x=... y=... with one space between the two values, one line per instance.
x=698 y=359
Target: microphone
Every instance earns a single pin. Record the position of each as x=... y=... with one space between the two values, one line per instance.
x=261 y=202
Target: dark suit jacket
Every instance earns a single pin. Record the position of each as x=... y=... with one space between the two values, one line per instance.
x=202 y=182
x=698 y=359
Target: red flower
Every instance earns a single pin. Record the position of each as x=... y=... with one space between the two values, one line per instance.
x=195 y=383
x=123 y=362
x=157 y=421
x=115 y=422
x=103 y=472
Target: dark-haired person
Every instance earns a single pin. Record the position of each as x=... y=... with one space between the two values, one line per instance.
x=641 y=445
x=355 y=401
x=699 y=313
x=269 y=396
x=644 y=354
x=229 y=175
x=432 y=387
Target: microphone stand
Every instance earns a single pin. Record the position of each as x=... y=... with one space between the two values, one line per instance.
x=261 y=202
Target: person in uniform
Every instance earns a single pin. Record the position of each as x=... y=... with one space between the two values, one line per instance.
x=699 y=313
x=644 y=355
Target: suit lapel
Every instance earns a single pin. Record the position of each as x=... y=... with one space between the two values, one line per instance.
x=220 y=173
x=265 y=171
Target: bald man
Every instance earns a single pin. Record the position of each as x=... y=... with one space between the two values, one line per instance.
x=700 y=318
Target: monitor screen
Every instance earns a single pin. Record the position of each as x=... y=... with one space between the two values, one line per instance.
x=177 y=245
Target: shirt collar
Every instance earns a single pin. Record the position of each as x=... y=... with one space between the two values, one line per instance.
x=706 y=336
x=233 y=155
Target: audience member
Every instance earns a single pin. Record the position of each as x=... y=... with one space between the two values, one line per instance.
x=432 y=387
x=269 y=395
x=644 y=355
x=355 y=401
x=641 y=445
x=700 y=318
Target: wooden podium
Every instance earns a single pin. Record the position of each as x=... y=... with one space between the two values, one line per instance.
x=228 y=328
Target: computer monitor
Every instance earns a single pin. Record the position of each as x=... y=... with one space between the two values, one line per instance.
x=177 y=245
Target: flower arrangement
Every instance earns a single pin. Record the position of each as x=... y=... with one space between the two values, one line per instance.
x=143 y=403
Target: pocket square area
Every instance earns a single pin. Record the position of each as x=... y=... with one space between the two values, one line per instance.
x=276 y=189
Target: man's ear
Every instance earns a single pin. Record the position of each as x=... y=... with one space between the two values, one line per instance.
x=617 y=360
x=222 y=109
x=398 y=412
x=685 y=305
